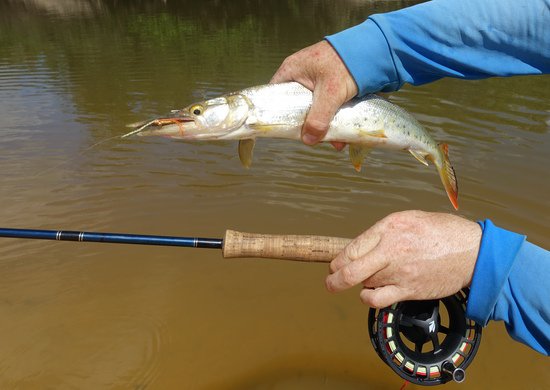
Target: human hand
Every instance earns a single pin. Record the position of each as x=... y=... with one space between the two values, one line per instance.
x=410 y=255
x=320 y=69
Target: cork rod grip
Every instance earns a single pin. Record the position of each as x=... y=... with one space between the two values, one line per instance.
x=288 y=247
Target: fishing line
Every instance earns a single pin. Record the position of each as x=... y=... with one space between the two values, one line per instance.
x=142 y=125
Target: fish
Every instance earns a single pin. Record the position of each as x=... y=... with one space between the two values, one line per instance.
x=279 y=111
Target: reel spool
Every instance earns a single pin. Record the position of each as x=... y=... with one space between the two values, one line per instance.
x=426 y=342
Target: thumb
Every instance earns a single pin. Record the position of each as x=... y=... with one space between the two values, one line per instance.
x=324 y=106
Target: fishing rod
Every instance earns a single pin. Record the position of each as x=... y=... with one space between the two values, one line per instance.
x=425 y=342
x=234 y=244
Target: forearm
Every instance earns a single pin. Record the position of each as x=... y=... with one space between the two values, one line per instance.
x=469 y=39
x=510 y=284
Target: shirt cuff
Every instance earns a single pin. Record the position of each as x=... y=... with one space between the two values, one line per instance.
x=497 y=253
x=365 y=51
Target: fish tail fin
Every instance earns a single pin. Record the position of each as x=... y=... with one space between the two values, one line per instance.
x=447 y=174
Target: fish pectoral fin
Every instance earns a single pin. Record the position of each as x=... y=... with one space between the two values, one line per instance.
x=357 y=154
x=265 y=127
x=420 y=156
x=246 y=151
x=374 y=133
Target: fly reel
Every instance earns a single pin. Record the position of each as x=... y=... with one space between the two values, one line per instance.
x=426 y=342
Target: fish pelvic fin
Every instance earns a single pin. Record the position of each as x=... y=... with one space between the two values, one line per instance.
x=357 y=154
x=420 y=156
x=246 y=151
x=447 y=174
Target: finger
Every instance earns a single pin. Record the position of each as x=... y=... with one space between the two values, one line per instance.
x=289 y=73
x=286 y=71
x=355 y=272
x=383 y=277
x=382 y=296
x=356 y=249
x=322 y=110
x=351 y=252
x=338 y=145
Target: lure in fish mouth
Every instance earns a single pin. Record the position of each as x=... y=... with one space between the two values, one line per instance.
x=209 y=120
x=279 y=111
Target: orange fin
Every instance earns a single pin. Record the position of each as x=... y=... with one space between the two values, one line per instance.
x=419 y=155
x=357 y=154
x=246 y=150
x=447 y=175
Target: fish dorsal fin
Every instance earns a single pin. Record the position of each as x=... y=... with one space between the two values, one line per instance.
x=246 y=151
x=420 y=156
x=357 y=154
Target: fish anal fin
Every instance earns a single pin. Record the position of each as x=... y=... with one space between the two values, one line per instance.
x=420 y=156
x=246 y=151
x=357 y=154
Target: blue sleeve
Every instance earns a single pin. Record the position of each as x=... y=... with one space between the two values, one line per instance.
x=468 y=39
x=510 y=284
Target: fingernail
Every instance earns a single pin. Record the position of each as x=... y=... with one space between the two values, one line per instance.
x=310 y=139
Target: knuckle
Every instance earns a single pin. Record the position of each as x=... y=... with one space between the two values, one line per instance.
x=333 y=266
x=352 y=251
x=410 y=272
x=316 y=126
x=348 y=276
x=396 y=221
x=288 y=61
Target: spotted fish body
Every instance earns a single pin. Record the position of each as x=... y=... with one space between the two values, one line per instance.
x=279 y=111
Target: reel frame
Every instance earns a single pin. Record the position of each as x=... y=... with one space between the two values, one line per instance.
x=414 y=340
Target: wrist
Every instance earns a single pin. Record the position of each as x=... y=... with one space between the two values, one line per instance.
x=496 y=256
x=366 y=54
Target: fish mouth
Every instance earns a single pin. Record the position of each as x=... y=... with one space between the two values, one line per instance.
x=169 y=127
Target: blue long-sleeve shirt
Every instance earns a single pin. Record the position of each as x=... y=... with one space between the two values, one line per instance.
x=510 y=284
x=468 y=39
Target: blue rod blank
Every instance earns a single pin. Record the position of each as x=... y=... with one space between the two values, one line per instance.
x=115 y=238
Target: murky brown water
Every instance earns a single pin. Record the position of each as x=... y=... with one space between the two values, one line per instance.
x=92 y=316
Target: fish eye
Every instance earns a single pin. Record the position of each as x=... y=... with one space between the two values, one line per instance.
x=197 y=110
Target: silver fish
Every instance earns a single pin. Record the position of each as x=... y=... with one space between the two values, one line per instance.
x=279 y=110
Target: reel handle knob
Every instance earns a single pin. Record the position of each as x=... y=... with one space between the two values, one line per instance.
x=457 y=373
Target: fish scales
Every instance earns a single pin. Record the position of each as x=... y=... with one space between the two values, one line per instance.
x=279 y=111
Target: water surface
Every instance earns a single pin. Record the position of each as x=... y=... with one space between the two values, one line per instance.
x=73 y=73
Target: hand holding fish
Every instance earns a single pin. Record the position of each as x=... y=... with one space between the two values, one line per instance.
x=410 y=255
x=320 y=69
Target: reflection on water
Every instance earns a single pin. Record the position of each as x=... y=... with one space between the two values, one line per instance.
x=73 y=73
